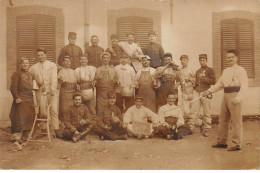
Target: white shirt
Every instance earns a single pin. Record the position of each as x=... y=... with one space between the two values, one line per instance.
x=133 y=114
x=45 y=74
x=188 y=73
x=171 y=111
x=67 y=75
x=132 y=50
x=232 y=77
x=125 y=74
x=138 y=74
x=85 y=73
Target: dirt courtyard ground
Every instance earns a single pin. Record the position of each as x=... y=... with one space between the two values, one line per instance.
x=192 y=152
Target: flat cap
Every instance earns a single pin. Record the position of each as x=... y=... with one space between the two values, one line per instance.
x=111 y=94
x=41 y=49
x=113 y=36
x=184 y=56
x=138 y=97
x=147 y=57
x=72 y=34
x=203 y=56
x=151 y=33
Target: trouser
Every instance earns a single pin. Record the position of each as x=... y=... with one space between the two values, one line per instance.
x=49 y=100
x=67 y=134
x=185 y=103
x=229 y=112
x=91 y=104
x=163 y=131
x=195 y=109
x=115 y=133
x=124 y=102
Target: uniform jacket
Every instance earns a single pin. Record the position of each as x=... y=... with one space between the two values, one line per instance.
x=116 y=52
x=94 y=53
x=205 y=77
x=155 y=52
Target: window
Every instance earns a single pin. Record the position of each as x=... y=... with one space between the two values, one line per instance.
x=35 y=31
x=239 y=34
x=140 y=26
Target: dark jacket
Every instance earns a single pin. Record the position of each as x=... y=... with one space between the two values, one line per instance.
x=155 y=52
x=93 y=53
x=116 y=53
x=205 y=77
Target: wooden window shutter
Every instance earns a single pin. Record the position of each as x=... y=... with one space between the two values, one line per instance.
x=35 y=31
x=140 y=26
x=238 y=34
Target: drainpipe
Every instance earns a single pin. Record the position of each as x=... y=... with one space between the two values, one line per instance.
x=86 y=23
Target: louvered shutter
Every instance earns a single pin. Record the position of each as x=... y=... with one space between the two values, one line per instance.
x=238 y=34
x=246 y=46
x=140 y=26
x=35 y=31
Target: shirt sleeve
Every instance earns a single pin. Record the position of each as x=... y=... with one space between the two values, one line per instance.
x=54 y=80
x=14 y=85
x=180 y=120
x=161 y=115
x=218 y=86
x=67 y=122
x=154 y=116
x=210 y=79
x=127 y=117
x=243 y=86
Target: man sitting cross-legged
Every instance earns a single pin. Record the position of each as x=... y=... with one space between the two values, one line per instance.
x=110 y=121
x=171 y=120
x=77 y=119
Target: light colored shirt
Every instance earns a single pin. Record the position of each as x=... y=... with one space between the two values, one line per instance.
x=132 y=50
x=45 y=74
x=125 y=74
x=188 y=73
x=133 y=114
x=171 y=111
x=233 y=77
x=138 y=74
x=67 y=75
x=85 y=73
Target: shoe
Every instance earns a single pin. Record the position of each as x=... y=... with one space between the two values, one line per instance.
x=235 y=148
x=201 y=128
x=74 y=139
x=169 y=137
x=101 y=138
x=139 y=137
x=205 y=134
x=219 y=146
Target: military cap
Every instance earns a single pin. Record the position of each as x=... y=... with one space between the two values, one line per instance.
x=203 y=56
x=41 y=49
x=72 y=34
x=184 y=56
x=138 y=97
x=111 y=94
x=151 y=33
x=147 y=57
x=113 y=36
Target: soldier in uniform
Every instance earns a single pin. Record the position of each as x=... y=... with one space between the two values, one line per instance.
x=205 y=77
x=234 y=80
x=68 y=80
x=115 y=51
x=77 y=119
x=106 y=79
x=167 y=79
x=93 y=52
x=145 y=80
x=72 y=50
x=154 y=50
x=86 y=80
x=110 y=121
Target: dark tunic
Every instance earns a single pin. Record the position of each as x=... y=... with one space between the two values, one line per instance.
x=22 y=114
x=116 y=52
x=205 y=77
x=94 y=53
x=155 y=52
x=74 y=52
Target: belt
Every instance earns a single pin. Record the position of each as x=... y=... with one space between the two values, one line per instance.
x=231 y=89
x=85 y=85
x=68 y=86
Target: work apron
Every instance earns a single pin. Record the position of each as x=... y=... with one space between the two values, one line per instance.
x=146 y=90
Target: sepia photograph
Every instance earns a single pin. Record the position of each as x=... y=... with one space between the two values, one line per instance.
x=130 y=85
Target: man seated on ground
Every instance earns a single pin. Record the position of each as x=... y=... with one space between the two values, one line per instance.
x=110 y=121
x=171 y=120
x=139 y=114
x=78 y=121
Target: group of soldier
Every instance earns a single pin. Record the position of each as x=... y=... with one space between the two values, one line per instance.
x=109 y=92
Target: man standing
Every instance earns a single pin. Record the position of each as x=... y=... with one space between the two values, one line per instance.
x=205 y=77
x=234 y=80
x=105 y=81
x=133 y=51
x=167 y=79
x=45 y=74
x=126 y=84
x=145 y=80
x=94 y=51
x=78 y=121
x=115 y=51
x=154 y=50
x=72 y=50
x=85 y=75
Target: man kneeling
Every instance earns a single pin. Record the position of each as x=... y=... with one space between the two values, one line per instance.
x=171 y=120
x=138 y=114
x=110 y=121
x=77 y=119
